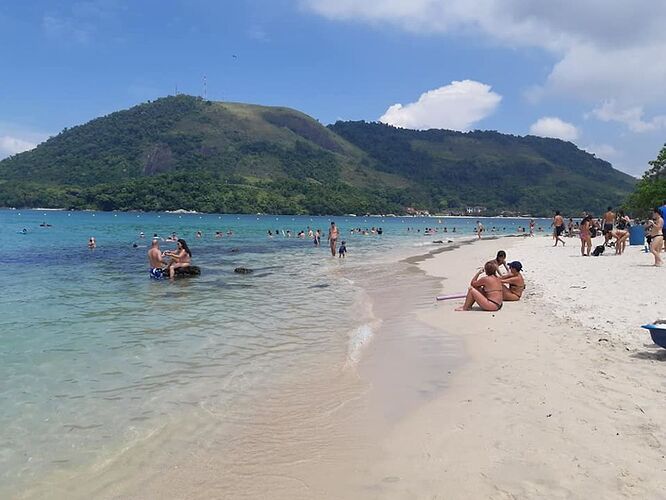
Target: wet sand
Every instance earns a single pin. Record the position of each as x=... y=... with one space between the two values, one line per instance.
x=546 y=406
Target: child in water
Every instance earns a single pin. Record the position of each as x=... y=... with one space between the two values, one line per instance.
x=342 y=251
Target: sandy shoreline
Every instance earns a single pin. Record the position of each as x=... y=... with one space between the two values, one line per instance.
x=545 y=406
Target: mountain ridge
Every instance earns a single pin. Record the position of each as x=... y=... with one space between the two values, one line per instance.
x=186 y=152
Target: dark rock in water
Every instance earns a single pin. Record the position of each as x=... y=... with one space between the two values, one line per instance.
x=243 y=270
x=186 y=272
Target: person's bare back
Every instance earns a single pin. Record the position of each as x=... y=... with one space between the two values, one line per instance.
x=155 y=255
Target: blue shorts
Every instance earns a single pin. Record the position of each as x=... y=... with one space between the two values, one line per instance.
x=157 y=273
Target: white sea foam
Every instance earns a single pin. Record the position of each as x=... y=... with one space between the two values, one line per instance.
x=358 y=340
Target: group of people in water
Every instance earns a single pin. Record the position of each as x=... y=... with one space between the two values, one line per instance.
x=615 y=228
x=496 y=282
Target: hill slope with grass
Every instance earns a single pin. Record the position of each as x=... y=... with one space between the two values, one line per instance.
x=186 y=152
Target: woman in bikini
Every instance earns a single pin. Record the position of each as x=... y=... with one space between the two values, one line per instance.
x=486 y=291
x=180 y=258
x=621 y=232
x=515 y=282
x=656 y=236
x=585 y=236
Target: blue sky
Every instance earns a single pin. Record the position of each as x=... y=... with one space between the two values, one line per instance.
x=470 y=64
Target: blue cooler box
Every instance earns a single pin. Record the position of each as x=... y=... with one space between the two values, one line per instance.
x=636 y=235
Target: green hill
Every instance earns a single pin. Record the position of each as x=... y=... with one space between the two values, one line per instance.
x=185 y=152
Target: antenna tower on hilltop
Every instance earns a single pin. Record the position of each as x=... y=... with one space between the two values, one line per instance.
x=205 y=88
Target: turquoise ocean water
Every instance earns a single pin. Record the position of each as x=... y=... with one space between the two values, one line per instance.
x=95 y=355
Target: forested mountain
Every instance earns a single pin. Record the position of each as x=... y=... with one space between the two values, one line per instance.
x=186 y=152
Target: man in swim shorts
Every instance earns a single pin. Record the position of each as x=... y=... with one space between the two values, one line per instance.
x=155 y=260
x=609 y=220
x=558 y=228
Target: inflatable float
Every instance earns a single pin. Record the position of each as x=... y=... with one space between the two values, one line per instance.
x=181 y=272
x=658 y=333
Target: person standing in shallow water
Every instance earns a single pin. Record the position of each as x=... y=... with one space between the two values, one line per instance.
x=333 y=235
x=479 y=229
x=155 y=260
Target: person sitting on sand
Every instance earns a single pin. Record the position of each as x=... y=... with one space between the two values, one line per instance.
x=180 y=258
x=486 y=291
x=515 y=282
x=500 y=261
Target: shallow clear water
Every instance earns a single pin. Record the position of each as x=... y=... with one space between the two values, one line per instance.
x=95 y=354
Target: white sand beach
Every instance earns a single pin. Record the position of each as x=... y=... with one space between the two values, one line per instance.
x=563 y=395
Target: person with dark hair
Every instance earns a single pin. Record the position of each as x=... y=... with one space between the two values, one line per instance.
x=656 y=229
x=515 y=282
x=558 y=228
x=182 y=257
x=486 y=291
x=607 y=229
x=500 y=260
x=621 y=232
x=585 y=236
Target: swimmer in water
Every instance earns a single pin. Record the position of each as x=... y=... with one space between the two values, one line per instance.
x=92 y=244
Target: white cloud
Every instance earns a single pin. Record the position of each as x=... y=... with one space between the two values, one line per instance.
x=457 y=106
x=12 y=145
x=550 y=126
x=632 y=117
x=604 y=151
x=606 y=49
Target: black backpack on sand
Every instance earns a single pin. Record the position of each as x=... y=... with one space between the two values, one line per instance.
x=598 y=250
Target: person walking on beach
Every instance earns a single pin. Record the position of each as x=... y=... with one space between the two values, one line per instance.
x=486 y=291
x=609 y=221
x=479 y=229
x=585 y=236
x=656 y=230
x=333 y=235
x=532 y=225
x=558 y=228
